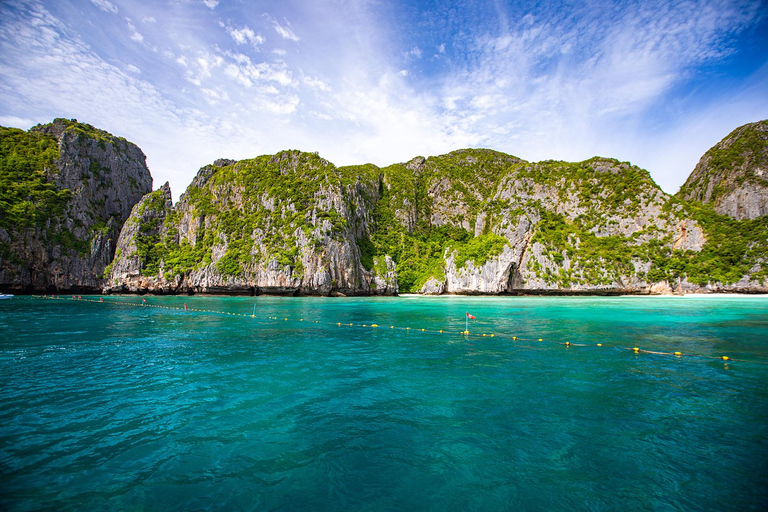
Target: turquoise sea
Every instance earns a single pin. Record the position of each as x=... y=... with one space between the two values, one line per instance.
x=119 y=406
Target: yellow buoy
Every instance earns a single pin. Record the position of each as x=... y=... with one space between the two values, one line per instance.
x=725 y=358
x=599 y=344
x=541 y=339
x=464 y=332
x=678 y=354
x=567 y=343
x=514 y=337
x=636 y=350
x=441 y=331
x=423 y=330
x=374 y=325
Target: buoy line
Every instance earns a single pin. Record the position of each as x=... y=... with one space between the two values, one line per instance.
x=464 y=333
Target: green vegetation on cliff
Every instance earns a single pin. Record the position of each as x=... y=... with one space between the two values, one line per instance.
x=149 y=248
x=603 y=185
x=734 y=249
x=258 y=209
x=27 y=196
x=593 y=260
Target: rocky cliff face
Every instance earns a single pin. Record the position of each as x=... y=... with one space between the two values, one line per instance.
x=512 y=226
x=68 y=190
x=469 y=222
x=283 y=224
x=733 y=175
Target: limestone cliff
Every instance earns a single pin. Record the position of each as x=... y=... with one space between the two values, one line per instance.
x=491 y=223
x=473 y=221
x=733 y=175
x=67 y=188
x=284 y=224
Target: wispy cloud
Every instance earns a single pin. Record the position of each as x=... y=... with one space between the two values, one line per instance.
x=413 y=53
x=285 y=31
x=211 y=4
x=315 y=83
x=105 y=5
x=135 y=35
x=244 y=35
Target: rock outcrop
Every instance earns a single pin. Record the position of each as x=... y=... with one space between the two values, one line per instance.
x=284 y=224
x=70 y=189
x=549 y=227
x=733 y=175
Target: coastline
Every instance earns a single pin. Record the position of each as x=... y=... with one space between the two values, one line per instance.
x=218 y=293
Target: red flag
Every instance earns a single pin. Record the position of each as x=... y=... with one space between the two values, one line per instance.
x=470 y=316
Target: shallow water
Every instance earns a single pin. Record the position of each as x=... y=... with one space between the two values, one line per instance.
x=113 y=406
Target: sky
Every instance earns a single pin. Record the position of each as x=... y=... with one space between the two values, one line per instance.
x=652 y=82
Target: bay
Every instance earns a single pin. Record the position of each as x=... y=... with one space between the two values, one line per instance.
x=269 y=403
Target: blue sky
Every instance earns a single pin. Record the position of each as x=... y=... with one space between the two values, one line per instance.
x=652 y=82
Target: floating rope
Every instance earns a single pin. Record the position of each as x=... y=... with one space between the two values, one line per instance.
x=464 y=333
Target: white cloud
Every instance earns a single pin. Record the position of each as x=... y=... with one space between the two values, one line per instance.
x=211 y=4
x=319 y=115
x=133 y=69
x=105 y=5
x=241 y=68
x=135 y=36
x=245 y=35
x=285 y=31
x=316 y=83
x=282 y=106
x=214 y=96
x=414 y=53
x=149 y=19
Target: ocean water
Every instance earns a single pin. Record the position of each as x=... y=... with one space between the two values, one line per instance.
x=119 y=406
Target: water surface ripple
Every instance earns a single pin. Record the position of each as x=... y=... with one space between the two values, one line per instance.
x=107 y=406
